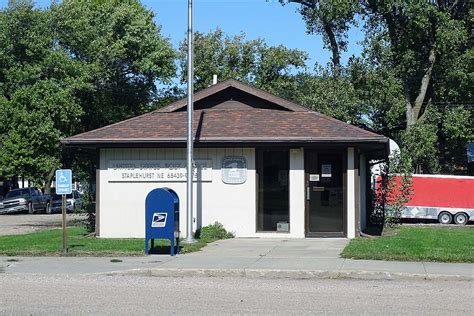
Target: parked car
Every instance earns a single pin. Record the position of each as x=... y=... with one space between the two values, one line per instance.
x=29 y=200
x=73 y=202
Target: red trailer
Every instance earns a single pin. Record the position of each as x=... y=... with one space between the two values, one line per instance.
x=442 y=197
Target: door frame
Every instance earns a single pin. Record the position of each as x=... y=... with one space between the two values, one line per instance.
x=343 y=153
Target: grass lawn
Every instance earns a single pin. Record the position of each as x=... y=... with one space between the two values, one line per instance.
x=49 y=243
x=444 y=244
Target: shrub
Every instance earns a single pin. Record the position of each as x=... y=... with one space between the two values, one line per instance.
x=213 y=232
x=88 y=207
x=395 y=191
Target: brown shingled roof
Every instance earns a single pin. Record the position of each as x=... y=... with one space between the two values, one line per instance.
x=230 y=121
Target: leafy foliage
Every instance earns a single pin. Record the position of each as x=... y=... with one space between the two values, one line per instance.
x=420 y=143
x=393 y=190
x=399 y=189
x=275 y=69
x=37 y=94
x=423 y=42
x=381 y=93
x=123 y=52
x=415 y=70
x=457 y=129
x=333 y=96
x=213 y=232
x=251 y=61
x=75 y=66
x=331 y=19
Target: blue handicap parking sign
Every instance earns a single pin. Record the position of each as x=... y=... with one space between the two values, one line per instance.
x=63 y=181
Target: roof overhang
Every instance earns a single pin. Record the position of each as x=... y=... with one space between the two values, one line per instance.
x=380 y=142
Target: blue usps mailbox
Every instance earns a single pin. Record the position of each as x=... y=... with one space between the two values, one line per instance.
x=162 y=218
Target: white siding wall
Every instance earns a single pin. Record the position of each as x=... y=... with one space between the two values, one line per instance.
x=233 y=205
x=351 y=178
x=297 y=193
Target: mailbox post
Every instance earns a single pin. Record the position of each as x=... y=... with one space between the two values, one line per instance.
x=162 y=218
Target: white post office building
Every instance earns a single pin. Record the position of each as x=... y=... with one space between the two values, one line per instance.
x=265 y=167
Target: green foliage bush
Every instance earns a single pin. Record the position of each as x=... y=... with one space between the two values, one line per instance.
x=213 y=232
x=396 y=190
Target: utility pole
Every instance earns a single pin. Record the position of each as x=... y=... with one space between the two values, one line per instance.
x=190 y=162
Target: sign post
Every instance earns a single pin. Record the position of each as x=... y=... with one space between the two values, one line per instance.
x=64 y=187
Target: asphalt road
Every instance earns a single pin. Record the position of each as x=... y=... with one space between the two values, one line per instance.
x=11 y=224
x=119 y=295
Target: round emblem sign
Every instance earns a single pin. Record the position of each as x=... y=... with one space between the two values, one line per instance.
x=234 y=170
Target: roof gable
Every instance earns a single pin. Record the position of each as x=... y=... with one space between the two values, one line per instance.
x=233 y=90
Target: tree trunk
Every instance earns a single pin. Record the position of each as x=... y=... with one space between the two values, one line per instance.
x=410 y=116
x=49 y=181
x=14 y=183
x=416 y=109
x=336 y=56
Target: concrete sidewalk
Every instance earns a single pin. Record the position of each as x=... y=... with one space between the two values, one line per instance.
x=298 y=258
x=268 y=258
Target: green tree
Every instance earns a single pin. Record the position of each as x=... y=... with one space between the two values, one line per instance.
x=125 y=55
x=251 y=61
x=70 y=68
x=426 y=38
x=276 y=69
x=417 y=51
x=331 y=19
x=426 y=44
x=37 y=94
x=333 y=96
x=380 y=91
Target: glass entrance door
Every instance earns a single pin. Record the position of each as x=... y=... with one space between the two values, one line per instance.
x=324 y=194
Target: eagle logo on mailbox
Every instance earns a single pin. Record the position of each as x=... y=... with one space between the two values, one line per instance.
x=159 y=220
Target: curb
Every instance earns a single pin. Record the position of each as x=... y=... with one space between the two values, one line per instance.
x=288 y=274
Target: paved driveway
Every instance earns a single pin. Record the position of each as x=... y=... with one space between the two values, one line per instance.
x=20 y=224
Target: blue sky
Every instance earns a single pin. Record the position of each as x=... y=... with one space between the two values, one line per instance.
x=269 y=20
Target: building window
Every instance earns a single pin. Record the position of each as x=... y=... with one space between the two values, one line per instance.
x=273 y=190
